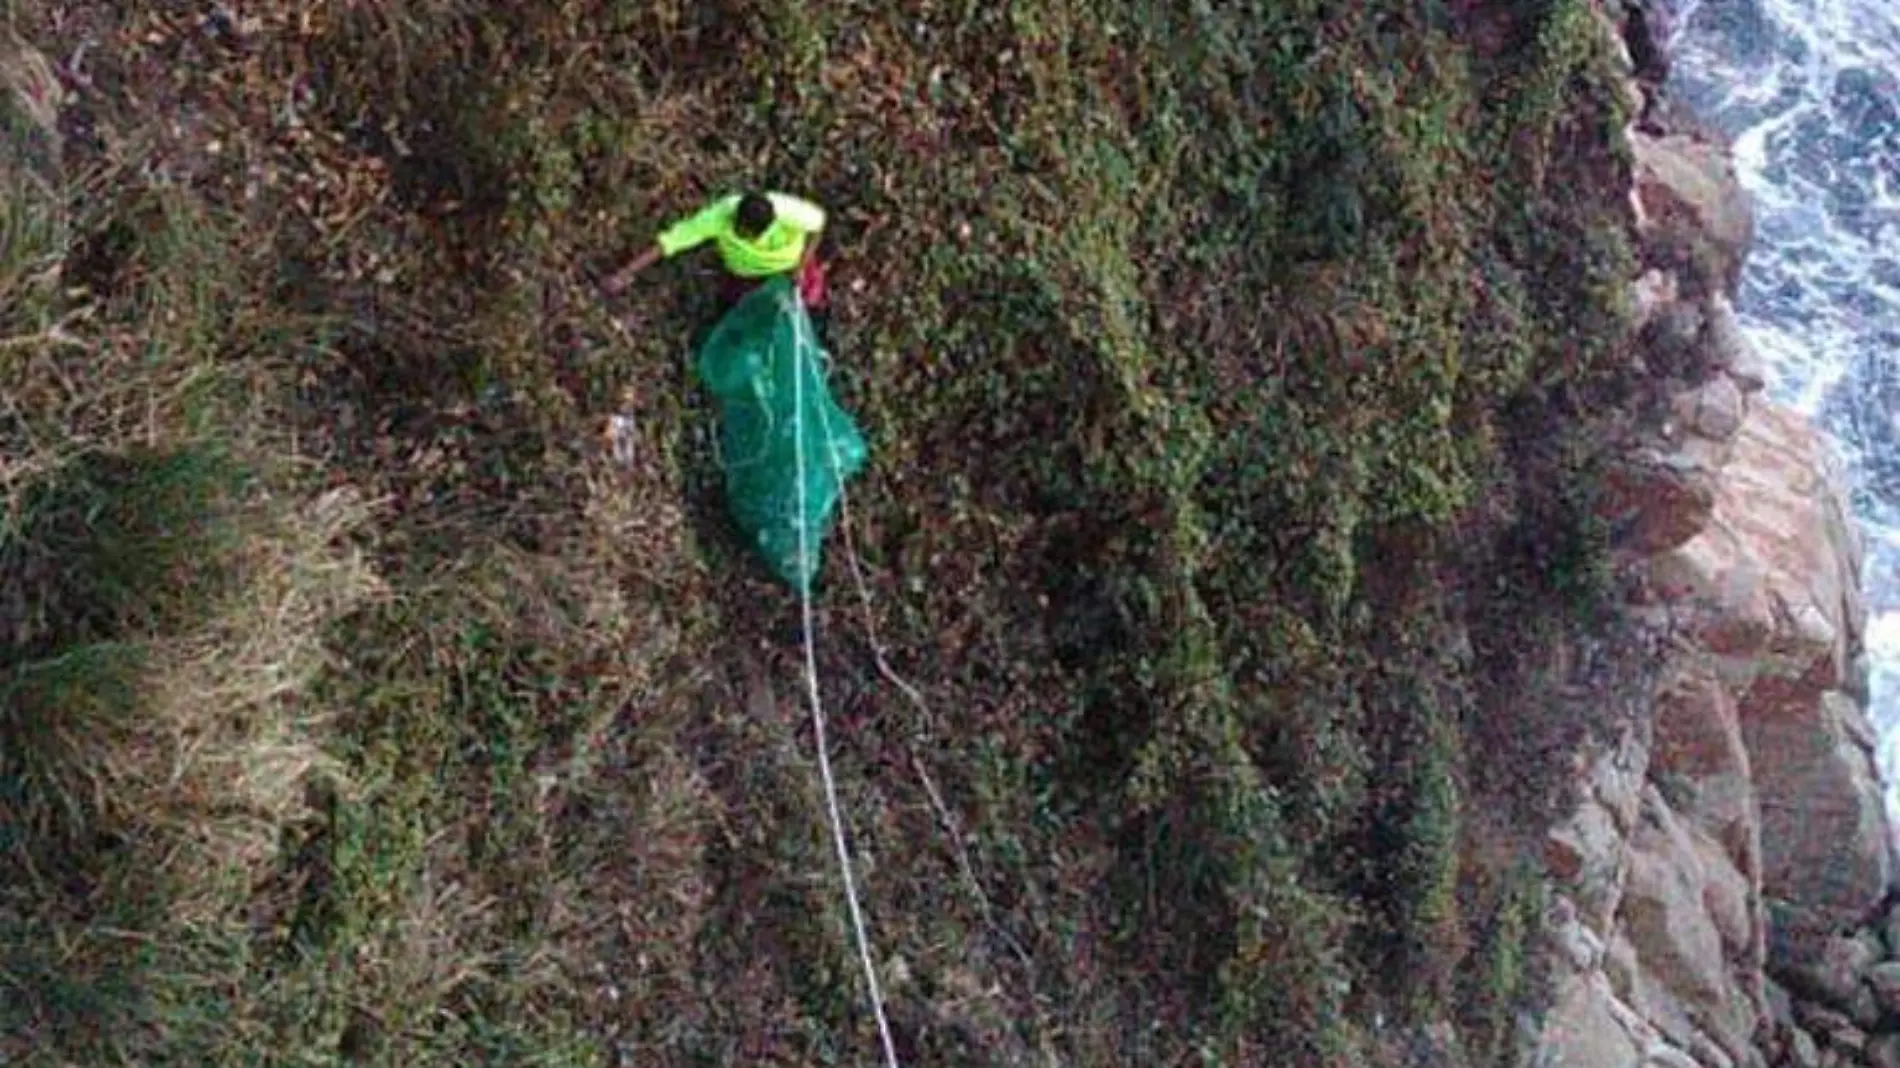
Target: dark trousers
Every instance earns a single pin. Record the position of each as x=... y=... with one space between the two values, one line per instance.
x=733 y=289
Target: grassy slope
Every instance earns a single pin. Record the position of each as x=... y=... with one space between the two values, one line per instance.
x=1183 y=338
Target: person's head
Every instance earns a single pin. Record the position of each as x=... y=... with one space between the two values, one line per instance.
x=753 y=216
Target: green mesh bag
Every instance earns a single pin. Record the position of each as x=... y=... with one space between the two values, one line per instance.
x=761 y=361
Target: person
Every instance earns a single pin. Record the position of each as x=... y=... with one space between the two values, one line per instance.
x=758 y=235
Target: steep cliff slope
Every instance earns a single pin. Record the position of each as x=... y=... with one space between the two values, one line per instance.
x=1241 y=384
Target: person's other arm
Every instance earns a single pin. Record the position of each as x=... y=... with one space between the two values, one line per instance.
x=798 y=213
x=801 y=215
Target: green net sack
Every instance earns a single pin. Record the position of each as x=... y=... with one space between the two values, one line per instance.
x=764 y=367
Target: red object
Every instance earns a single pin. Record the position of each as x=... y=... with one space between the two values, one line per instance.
x=811 y=283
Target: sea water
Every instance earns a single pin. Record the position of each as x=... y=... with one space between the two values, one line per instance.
x=1810 y=90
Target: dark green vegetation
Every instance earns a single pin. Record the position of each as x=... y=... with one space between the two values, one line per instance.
x=1223 y=371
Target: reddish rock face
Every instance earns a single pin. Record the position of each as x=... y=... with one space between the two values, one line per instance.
x=1688 y=187
x=1656 y=502
x=1824 y=834
x=1756 y=772
x=1773 y=581
x=1773 y=573
x=1697 y=732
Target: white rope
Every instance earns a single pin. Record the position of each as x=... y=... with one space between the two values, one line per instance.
x=914 y=695
x=807 y=346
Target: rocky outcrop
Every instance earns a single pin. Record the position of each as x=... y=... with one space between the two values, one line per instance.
x=1687 y=199
x=1731 y=833
x=1723 y=882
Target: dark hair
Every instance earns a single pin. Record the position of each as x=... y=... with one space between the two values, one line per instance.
x=754 y=215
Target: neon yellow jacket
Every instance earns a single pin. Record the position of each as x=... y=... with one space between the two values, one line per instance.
x=775 y=251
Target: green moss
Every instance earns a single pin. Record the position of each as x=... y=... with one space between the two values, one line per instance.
x=1503 y=981
x=1429 y=871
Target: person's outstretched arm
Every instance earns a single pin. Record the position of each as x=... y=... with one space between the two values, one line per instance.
x=622 y=278
x=686 y=234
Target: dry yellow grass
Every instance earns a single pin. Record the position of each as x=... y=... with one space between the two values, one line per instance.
x=227 y=747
